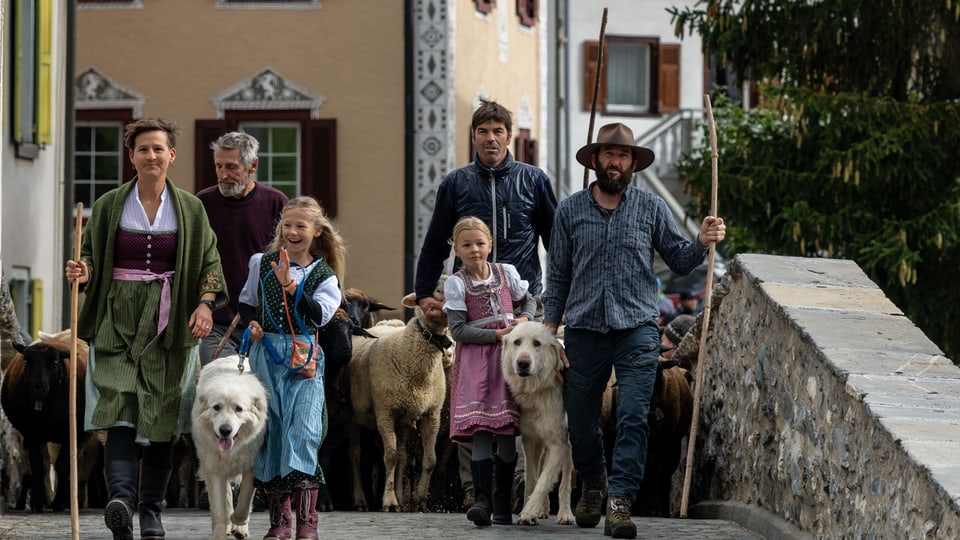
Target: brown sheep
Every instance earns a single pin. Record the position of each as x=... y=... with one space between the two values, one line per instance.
x=671 y=412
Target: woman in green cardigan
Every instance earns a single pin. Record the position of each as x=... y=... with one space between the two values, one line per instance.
x=152 y=278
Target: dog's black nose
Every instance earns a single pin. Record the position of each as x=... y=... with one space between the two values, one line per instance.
x=523 y=368
x=225 y=430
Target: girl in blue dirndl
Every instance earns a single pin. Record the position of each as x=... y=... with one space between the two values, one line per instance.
x=290 y=292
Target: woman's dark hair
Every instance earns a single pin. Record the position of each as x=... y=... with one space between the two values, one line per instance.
x=133 y=130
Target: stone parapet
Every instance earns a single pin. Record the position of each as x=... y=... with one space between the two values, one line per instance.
x=823 y=404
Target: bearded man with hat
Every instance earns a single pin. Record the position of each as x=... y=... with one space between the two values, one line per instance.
x=600 y=275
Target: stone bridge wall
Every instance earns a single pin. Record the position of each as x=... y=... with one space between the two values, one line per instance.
x=824 y=405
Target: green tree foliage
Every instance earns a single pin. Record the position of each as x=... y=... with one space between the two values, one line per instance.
x=853 y=152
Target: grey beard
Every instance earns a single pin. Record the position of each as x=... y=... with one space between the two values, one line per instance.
x=233 y=190
x=613 y=187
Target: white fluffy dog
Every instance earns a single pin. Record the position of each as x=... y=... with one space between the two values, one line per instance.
x=531 y=362
x=229 y=421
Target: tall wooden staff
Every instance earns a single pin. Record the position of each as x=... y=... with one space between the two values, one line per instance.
x=692 y=439
x=596 y=91
x=74 y=307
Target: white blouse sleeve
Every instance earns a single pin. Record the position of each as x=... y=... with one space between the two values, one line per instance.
x=327 y=295
x=455 y=294
x=249 y=295
x=518 y=286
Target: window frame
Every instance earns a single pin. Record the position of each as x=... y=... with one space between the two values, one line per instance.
x=664 y=77
x=121 y=116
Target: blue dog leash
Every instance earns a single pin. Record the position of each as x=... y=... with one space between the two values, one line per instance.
x=244 y=348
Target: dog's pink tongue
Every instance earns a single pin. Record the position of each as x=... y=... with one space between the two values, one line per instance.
x=225 y=444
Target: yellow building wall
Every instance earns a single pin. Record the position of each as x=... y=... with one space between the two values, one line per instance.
x=181 y=53
x=479 y=66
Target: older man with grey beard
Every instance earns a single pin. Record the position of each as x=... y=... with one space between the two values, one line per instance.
x=244 y=215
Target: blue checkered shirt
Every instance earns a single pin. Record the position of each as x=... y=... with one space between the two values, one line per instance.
x=600 y=264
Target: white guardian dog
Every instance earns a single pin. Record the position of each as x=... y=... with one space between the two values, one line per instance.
x=229 y=422
x=531 y=363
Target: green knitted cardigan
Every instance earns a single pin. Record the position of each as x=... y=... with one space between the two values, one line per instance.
x=197 y=266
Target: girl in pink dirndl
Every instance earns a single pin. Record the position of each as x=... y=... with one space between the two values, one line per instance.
x=479 y=302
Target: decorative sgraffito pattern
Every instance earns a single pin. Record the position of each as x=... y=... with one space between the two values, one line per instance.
x=433 y=109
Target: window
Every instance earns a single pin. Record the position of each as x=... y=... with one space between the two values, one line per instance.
x=97 y=161
x=485 y=6
x=109 y=4
x=639 y=76
x=525 y=147
x=99 y=158
x=298 y=155
x=527 y=11
x=279 y=156
x=32 y=76
x=268 y=3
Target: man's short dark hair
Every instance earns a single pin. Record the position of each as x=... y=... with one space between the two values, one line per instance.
x=491 y=110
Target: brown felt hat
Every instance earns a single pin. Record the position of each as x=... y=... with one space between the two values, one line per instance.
x=619 y=135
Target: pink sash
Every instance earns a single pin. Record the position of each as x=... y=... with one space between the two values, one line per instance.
x=127 y=274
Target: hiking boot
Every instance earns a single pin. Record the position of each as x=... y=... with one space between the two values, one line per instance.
x=618 y=523
x=589 y=507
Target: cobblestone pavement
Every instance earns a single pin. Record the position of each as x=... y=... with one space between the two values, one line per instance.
x=195 y=524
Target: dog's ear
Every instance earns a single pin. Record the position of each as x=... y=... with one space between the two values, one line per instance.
x=260 y=406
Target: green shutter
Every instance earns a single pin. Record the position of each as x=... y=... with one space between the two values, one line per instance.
x=44 y=104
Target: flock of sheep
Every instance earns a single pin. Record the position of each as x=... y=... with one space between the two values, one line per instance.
x=389 y=379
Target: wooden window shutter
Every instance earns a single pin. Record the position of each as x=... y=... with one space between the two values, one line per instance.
x=527 y=11
x=669 y=78
x=205 y=133
x=526 y=147
x=485 y=6
x=590 y=49
x=320 y=163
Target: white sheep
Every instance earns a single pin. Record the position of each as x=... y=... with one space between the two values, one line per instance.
x=397 y=384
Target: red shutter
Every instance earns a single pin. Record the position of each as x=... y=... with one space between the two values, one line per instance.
x=205 y=133
x=590 y=49
x=669 y=83
x=320 y=163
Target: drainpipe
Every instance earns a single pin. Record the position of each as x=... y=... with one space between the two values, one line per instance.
x=562 y=24
x=69 y=223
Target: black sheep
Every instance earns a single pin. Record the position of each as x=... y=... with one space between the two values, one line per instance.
x=35 y=396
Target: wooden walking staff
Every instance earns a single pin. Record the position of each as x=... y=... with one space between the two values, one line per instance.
x=74 y=307
x=708 y=295
x=596 y=92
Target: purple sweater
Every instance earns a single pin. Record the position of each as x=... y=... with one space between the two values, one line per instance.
x=244 y=227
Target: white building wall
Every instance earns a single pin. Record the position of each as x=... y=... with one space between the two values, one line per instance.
x=640 y=18
x=31 y=190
